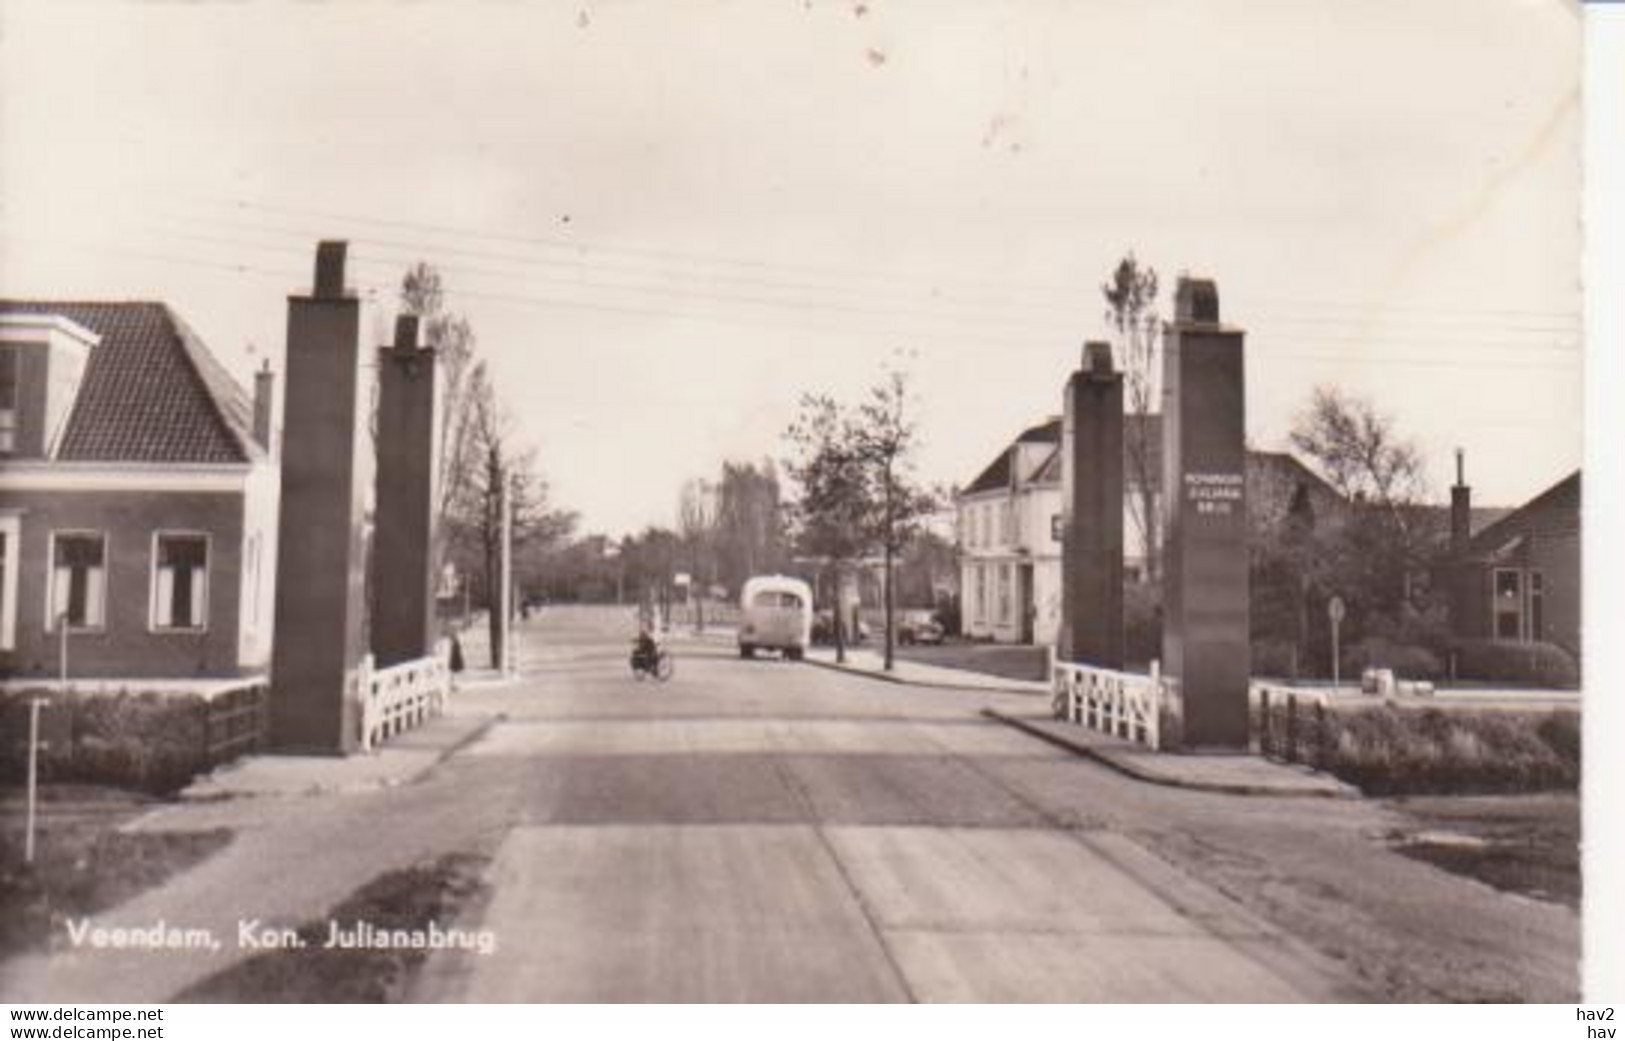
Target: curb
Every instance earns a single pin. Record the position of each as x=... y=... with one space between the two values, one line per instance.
x=884 y=678
x=1127 y=769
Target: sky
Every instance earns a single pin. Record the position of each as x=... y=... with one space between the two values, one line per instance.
x=666 y=222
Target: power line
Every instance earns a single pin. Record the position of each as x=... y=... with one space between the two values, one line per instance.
x=1014 y=324
x=581 y=247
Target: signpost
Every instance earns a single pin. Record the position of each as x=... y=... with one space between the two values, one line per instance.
x=1334 y=611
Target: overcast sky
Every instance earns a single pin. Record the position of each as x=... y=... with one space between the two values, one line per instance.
x=666 y=220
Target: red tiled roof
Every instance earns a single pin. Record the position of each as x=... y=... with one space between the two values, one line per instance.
x=151 y=392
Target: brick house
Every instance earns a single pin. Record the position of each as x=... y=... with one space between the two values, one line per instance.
x=1518 y=578
x=138 y=498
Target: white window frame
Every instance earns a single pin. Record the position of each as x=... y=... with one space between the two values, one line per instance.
x=11 y=413
x=50 y=578
x=153 y=615
x=11 y=524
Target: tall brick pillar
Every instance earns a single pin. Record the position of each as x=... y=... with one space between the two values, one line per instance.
x=1092 y=513
x=403 y=619
x=321 y=533
x=1205 y=643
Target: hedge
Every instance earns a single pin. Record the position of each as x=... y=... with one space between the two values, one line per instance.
x=149 y=741
x=1524 y=664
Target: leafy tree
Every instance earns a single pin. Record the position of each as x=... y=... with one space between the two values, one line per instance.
x=1131 y=312
x=830 y=513
x=854 y=468
x=885 y=439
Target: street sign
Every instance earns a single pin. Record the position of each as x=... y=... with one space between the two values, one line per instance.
x=1334 y=611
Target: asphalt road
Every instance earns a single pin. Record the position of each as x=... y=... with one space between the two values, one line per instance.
x=762 y=831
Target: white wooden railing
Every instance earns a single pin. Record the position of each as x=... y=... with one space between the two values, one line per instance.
x=1123 y=704
x=403 y=696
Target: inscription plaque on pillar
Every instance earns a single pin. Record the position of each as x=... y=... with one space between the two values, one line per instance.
x=1206 y=650
x=321 y=533
x=404 y=568
x=1092 y=513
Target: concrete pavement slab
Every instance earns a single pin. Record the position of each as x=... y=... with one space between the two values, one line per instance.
x=997 y=879
x=728 y=736
x=1040 y=915
x=666 y=913
x=1079 y=967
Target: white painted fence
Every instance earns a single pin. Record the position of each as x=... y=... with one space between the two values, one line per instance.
x=403 y=696
x=1123 y=704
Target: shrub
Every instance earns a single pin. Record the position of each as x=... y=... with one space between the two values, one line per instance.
x=1507 y=661
x=1142 y=622
x=1277 y=658
x=1561 y=730
x=1391 y=751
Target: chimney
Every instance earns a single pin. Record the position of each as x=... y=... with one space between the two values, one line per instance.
x=1461 y=508
x=330 y=269
x=264 y=396
x=406 y=332
x=1196 y=301
x=1097 y=360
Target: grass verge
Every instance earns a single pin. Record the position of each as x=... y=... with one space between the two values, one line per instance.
x=82 y=863
x=409 y=900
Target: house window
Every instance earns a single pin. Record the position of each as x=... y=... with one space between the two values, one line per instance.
x=1006 y=577
x=78 y=579
x=1508 y=605
x=10 y=530
x=8 y=400
x=979 y=574
x=180 y=581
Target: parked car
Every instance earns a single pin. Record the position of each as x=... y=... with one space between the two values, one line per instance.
x=823 y=629
x=919 y=627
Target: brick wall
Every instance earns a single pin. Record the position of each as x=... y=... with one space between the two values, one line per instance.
x=127 y=646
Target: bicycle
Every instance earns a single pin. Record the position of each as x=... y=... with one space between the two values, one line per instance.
x=660 y=669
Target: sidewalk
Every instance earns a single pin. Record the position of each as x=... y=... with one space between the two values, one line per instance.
x=401 y=760
x=865 y=661
x=1225 y=773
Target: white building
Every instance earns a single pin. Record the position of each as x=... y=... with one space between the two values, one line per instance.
x=1009 y=532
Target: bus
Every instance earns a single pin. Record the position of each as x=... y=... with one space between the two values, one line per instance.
x=775 y=613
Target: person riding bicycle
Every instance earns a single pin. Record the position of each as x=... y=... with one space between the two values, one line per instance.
x=646 y=648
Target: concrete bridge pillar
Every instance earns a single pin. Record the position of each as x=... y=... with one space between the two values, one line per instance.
x=321 y=534
x=404 y=566
x=1092 y=513
x=1206 y=642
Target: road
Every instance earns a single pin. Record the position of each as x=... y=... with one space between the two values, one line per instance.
x=760 y=831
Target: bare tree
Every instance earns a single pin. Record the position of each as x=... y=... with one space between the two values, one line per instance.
x=423 y=293
x=1131 y=311
x=496 y=465
x=1390 y=538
